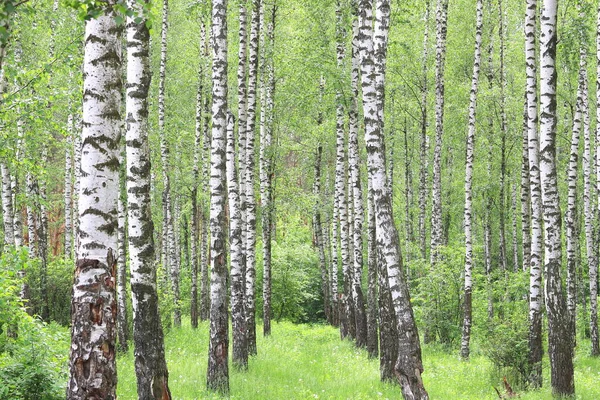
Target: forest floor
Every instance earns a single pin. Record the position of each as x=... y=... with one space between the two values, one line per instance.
x=310 y=362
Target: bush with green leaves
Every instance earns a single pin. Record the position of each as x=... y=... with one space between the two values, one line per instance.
x=438 y=295
x=33 y=355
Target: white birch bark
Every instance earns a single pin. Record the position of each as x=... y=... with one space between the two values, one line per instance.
x=594 y=300
x=92 y=366
x=467 y=302
x=250 y=246
x=440 y=60
x=424 y=148
x=589 y=217
x=266 y=160
x=122 y=320
x=7 y=208
x=559 y=338
x=340 y=182
x=535 y=269
x=355 y=194
x=409 y=366
x=150 y=365
x=218 y=367
x=571 y=216
x=68 y=191
x=238 y=321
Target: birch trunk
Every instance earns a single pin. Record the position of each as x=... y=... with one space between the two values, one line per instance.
x=355 y=193
x=440 y=59
x=467 y=302
x=150 y=365
x=535 y=270
x=319 y=242
x=341 y=187
x=169 y=243
x=594 y=299
x=69 y=188
x=122 y=320
x=266 y=166
x=559 y=336
x=503 y=134
x=525 y=193
x=250 y=245
x=571 y=216
x=205 y=161
x=15 y=187
x=197 y=248
x=7 y=208
x=515 y=245
x=32 y=203
x=238 y=321
x=424 y=148
x=589 y=218
x=372 y=279
x=408 y=366
x=92 y=367
x=218 y=368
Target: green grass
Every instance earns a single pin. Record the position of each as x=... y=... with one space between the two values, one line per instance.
x=310 y=362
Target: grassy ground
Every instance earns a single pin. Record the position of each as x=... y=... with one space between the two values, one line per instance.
x=310 y=362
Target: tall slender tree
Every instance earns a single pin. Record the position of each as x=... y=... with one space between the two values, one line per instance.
x=467 y=302
x=266 y=161
x=250 y=201
x=355 y=193
x=535 y=269
x=424 y=147
x=150 y=365
x=218 y=367
x=238 y=321
x=372 y=49
x=440 y=61
x=559 y=336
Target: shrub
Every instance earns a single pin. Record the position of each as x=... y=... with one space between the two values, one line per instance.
x=32 y=354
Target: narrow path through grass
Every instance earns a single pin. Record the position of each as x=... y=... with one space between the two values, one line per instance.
x=310 y=362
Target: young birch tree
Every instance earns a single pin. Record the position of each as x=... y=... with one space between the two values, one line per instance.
x=150 y=365
x=250 y=201
x=467 y=305
x=535 y=262
x=440 y=60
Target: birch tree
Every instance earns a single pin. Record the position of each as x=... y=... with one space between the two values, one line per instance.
x=535 y=270
x=218 y=368
x=238 y=321
x=571 y=214
x=467 y=302
x=559 y=336
x=440 y=60
x=424 y=148
x=355 y=194
x=266 y=159
x=589 y=214
x=372 y=49
x=92 y=367
x=150 y=365
x=250 y=201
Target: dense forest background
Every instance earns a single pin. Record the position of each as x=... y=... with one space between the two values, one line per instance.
x=306 y=78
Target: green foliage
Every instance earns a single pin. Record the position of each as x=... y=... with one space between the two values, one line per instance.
x=32 y=354
x=59 y=285
x=507 y=347
x=438 y=295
